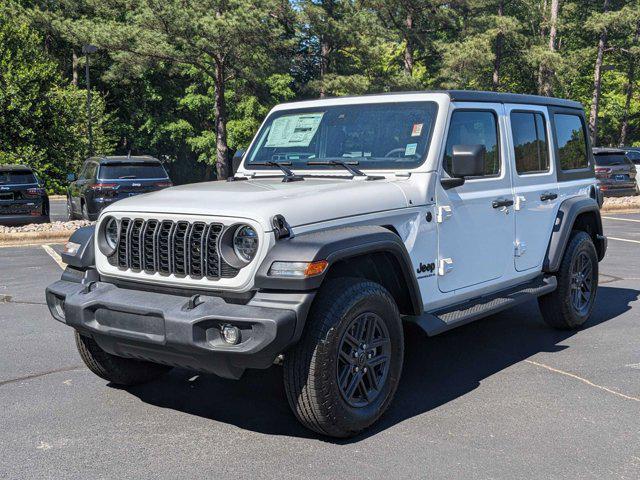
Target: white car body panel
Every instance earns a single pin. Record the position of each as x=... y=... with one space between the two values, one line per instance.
x=478 y=238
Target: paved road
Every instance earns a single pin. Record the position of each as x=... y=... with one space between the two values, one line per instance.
x=502 y=398
x=58 y=210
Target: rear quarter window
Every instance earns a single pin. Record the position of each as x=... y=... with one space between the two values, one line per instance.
x=572 y=142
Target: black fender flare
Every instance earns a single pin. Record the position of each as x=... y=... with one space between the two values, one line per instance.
x=570 y=209
x=85 y=255
x=334 y=245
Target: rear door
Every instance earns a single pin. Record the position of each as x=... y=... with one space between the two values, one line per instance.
x=535 y=186
x=475 y=221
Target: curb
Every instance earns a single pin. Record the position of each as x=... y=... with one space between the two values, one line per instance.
x=33 y=238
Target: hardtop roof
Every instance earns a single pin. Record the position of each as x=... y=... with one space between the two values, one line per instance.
x=473 y=96
x=125 y=159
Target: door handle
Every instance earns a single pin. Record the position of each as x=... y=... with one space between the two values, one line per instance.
x=501 y=202
x=548 y=196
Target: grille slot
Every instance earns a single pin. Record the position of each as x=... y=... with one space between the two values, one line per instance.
x=180 y=248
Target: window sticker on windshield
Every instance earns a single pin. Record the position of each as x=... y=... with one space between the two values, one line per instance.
x=293 y=130
x=416 y=131
x=410 y=149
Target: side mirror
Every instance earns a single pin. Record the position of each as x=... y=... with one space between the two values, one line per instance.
x=71 y=177
x=466 y=161
x=237 y=160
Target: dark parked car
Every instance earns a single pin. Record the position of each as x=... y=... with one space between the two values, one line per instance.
x=616 y=174
x=104 y=180
x=23 y=198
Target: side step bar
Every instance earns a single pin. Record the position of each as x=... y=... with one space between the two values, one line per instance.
x=439 y=321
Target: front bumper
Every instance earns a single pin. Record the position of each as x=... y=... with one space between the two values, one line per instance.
x=167 y=329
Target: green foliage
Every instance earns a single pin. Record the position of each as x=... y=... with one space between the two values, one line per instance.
x=42 y=120
x=189 y=81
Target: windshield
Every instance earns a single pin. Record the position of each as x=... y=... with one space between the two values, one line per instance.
x=610 y=159
x=132 y=170
x=17 y=178
x=387 y=135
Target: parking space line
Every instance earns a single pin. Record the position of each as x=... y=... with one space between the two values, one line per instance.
x=53 y=254
x=623 y=219
x=623 y=239
x=583 y=380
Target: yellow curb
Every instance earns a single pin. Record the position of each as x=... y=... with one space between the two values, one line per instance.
x=33 y=238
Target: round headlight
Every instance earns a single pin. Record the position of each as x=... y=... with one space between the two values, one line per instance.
x=111 y=233
x=245 y=243
x=108 y=236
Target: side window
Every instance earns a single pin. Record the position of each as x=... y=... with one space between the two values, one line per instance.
x=571 y=138
x=91 y=171
x=530 y=142
x=474 y=127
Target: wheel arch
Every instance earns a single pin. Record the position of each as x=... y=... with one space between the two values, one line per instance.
x=577 y=213
x=369 y=252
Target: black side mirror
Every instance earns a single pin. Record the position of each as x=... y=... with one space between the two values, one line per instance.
x=71 y=177
x=466 y=161
x=236 y=160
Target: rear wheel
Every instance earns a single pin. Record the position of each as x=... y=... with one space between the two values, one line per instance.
x=118 y=370
x=570 y=305
x=342 y=375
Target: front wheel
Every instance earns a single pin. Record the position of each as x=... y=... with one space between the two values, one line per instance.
x=342 y=375
x=570 y=305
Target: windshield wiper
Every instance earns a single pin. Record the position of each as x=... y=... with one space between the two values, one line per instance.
x=289 y=176
x=347 y=166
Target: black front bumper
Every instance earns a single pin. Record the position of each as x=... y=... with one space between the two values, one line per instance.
x=167 y=329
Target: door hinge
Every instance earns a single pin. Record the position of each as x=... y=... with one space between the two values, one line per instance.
x=444 y=212
x=520 y=248
x=445 y=266
x=519 y=203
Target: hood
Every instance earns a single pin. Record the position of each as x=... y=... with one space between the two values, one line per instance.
x=304 y=202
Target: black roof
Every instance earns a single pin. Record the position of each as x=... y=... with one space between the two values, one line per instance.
x=477 y=96
x=15 y=168
x=104 y=160
x=608 y=151
x=496 y=97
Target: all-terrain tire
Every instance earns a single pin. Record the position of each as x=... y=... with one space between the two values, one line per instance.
x=118 y=370
x=312 y=367
x=558 y=309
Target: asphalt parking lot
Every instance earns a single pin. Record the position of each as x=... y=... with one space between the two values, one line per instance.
x=58 y=210
x=505 y=397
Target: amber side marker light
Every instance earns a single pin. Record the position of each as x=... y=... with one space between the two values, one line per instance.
x=298 y=269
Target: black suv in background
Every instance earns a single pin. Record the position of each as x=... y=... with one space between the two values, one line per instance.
x=616 y=174
x=23 y=198
x=104 y=180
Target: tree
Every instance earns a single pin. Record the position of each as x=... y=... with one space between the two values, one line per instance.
x=212 y=40
x=42 y=120
x=597 y=82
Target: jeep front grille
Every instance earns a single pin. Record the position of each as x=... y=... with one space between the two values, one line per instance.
x=180 y=248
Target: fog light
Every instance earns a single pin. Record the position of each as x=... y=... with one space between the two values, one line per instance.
x=231 y=334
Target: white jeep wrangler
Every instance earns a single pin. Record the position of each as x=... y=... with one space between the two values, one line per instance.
x=345 y=218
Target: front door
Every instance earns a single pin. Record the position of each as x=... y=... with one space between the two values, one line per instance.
x=534 y=183
x=475 y=220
